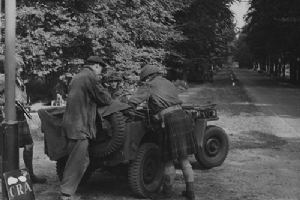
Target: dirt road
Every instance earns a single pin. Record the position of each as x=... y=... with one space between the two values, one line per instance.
x=277 y=99
x=262 y=119
x=264 y=157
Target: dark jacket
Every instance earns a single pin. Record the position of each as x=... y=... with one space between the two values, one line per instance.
x=159 y=92
x=85 y=94
x=177 y=140
x=20 y=96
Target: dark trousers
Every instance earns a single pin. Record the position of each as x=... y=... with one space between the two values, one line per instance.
x=76 y=165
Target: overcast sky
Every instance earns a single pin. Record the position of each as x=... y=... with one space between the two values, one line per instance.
x=239 y=10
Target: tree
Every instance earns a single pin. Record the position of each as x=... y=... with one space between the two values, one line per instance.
x=208 y=29
x=242 y=52
x=273 y=35
x=56 y=36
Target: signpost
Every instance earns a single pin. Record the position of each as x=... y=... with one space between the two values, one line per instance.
x=18 y=185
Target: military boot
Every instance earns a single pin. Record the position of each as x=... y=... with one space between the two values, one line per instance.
x=27 y=157
x=167 y=191
x=189 y=193
x=68 y=197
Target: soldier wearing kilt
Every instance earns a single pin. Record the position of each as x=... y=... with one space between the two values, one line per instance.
x=177 y=141
x=24 y=136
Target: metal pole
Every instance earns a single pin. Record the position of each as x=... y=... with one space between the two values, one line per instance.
x=1 y=140
x=10 y=60
x=0 y=22
x=10 y=134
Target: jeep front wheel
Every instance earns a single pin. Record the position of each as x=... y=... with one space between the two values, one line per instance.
x=215 y=148
x=146 y=171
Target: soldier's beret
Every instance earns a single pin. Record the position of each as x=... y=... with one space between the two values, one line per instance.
x=95 y=59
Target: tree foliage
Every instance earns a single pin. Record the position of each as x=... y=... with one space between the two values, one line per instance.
x=208 y=28
x=53 y=36
x=242 y=53
x=56 y=36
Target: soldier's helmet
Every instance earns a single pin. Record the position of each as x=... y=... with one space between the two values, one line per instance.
x=148 y=70
x=114 y=78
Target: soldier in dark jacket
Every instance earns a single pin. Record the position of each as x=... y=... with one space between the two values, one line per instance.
x=85 y=94
x=177 y=139
x=24 y=136
x=113 y=83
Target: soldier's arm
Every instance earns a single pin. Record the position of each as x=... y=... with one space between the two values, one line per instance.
x=2 y=101
x=142 y=94
x=99 y=93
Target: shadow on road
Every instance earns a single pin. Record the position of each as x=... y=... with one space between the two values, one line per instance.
x=106 y=185
x=256 y=139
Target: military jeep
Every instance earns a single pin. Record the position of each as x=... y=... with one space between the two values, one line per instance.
x=129 y=142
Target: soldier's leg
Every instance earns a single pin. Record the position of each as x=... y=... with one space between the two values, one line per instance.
x=188 y=174
x=76 y=165
x=28 y=157
x=26 y=142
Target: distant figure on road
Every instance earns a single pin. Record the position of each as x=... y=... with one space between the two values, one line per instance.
x=181 y=85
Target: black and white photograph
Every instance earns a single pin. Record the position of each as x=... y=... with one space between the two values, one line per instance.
x=150 y=99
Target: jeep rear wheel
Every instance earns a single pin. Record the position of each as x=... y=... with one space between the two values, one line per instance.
x=146 y=171
x=214 y=148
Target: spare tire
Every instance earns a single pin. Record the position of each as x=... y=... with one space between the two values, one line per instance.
x=214 y=148
x=118 y=125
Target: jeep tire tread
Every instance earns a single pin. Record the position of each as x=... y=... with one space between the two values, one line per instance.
x=146 y=171
x=118 y=123
x=215 y=148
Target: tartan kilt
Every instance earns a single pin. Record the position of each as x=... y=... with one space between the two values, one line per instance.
x=24 y=134
x=177 y=138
